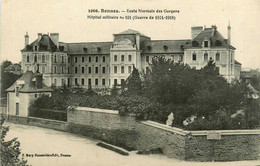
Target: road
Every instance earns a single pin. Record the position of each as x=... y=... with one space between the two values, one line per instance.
x=84 y=152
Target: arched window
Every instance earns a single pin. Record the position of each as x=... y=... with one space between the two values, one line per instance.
x=218 y=43
x=149 y=48
x=195 y=44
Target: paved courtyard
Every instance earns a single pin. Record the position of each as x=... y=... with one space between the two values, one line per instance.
x=73 y=150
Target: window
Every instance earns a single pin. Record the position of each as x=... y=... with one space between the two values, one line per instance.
x=76 y=70
x=17 y=91
x=89 y=59
x=218 y=43
x=97 y=59
x=43 y=69
x=62 y=58
x=217 y=56
x=98 y=49
x=104 y=59
x=115 y=82
x=35 y=48
x=205 y=56
x=122 y=69
x=55 y=81
x=181 y=58
x=28 y=58
x=103 y=69
x=89 y=69
x=206 y=43
x=76 y=81
x=149 y=48
x=122 y=58
x=62 y=82
x=43 y=58
x=55 y=58
x=82 y=70
x=89 y=81
x=195 y=44
x=129 y=69
x=103 y=81
x=76 y=59
x=96 y=81
x=115 y=58
x=194 y=56
x=147 y=59
x=62 y=69
x=68 y=81
x=35 y=95
x=129 y=58
x=165 y=47
x=68 y=69
x=69 y=59
x=96 y=70
x=82 y=81
x=35 y=58
x=55 y=70
x=17 y=109
x=115 y=69
x=82 y=59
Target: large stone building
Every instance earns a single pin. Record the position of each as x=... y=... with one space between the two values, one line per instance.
x=103 y=64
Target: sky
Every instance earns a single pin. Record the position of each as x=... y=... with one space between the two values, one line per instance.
x=69 y=19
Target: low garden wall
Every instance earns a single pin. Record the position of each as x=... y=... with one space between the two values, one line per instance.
x=46 y=123
x=129 y=133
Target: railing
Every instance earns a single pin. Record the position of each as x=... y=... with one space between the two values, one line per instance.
x=49 y=114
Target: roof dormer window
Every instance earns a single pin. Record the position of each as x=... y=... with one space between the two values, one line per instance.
x=206 y=43
x=218 y=43
x=165 y=47
x=149 y=48
x=195 y=44
x=98 y=49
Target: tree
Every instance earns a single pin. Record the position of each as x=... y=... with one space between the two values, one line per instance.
x=134 y=83
x=10 y=150
x=7 y=79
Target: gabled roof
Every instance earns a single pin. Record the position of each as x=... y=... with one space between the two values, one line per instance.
x=45 y=44
x=211 y=34
x=89 y=48
x=13 y=67
x=237 y=63
x=131 y=31
x=28 y=84
x=164 y=46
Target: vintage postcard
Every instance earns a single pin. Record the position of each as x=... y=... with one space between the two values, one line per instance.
x=130 y=82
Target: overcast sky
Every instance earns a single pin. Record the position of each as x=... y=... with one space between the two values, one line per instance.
x=69 y=19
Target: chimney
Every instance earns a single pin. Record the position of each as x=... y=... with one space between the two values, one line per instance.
x=39 y=36
x=38 y=76
x=213 y=28
x=55 y=38
x=137 y=39
x=195 y=31
x=26 y=37
x=229 y=33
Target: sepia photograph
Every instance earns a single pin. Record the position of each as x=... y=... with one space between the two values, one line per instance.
x=130 y=83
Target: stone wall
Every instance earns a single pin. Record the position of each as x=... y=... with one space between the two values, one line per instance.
x=129 y=133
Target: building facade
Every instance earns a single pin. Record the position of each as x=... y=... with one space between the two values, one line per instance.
x=103 y=64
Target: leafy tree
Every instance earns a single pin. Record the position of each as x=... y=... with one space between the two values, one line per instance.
x=10 y=150
x=7 y=79
x=134 y=83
